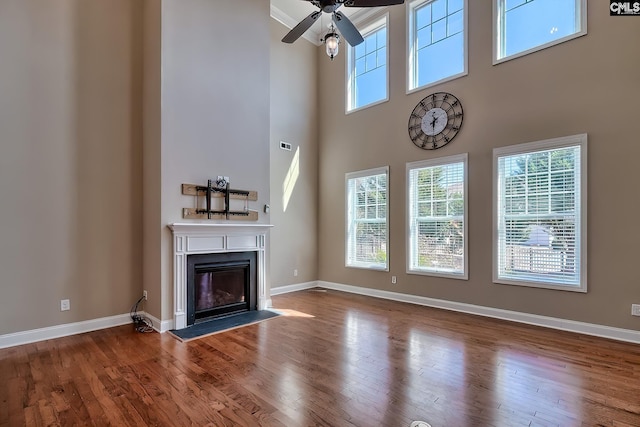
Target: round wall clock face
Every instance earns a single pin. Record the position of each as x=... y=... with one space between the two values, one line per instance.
x=435 y=121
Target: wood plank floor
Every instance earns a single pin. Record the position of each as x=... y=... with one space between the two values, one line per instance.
x=336 y=360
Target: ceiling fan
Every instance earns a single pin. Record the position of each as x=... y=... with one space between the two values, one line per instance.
x=346 y=27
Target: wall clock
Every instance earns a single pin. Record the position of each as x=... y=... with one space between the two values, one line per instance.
x=435 y=121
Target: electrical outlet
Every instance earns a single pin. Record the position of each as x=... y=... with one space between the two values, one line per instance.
x=295 y=273
x=394 y=280
x=144 y=295
x=65 y=305
x=635 y=309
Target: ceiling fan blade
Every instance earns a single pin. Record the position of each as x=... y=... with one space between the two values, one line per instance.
x=348 y=30
x=371 y=3
x=303 y=26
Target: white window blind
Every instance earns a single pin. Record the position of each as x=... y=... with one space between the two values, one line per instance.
x=540 y=239
x=367 y=216
x=437 y=207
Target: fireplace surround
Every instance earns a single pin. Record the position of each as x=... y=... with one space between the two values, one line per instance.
x=218 y=238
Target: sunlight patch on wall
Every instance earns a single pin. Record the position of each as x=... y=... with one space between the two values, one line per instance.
x=290 y=179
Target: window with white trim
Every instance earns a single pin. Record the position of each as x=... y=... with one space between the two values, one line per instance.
x=367 y=242
x=526 y=26
x=540 y=214
x=367 y=71
x=437 y=217
x=437 y=41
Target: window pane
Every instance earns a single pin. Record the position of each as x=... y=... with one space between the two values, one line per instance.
x=368 y=74
x=439 y=8
x=423 y=16
x=530 y=24
x=424 y=209
x=372 y=62
x=455 y=23
x=359 y=50
x=437 y=217
x=361 y=66
x=510 y=4
x=381 y=38
x=438 y=48
x=371 y=87
x=370 y=43
x=367 y=220
x=382 y=57
x=423 y=37
x=514 y=185
x=455 y=5
x=436 y=62
x=439 y=30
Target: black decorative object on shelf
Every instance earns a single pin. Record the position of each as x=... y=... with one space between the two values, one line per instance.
x=217 y=190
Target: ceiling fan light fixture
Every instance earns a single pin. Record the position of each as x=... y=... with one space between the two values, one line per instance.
x=332 y=43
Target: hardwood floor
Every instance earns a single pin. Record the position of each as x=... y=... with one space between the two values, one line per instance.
x=336 y=360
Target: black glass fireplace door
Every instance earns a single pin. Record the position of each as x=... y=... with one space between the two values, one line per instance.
x=220 y=284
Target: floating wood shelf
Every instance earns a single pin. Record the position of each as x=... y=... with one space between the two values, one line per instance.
x=193 y=213
x=198 y=190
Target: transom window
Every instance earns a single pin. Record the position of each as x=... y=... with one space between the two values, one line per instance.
x=525 y=26
x=367 y=68
x=437 y=41
x=437 y=210
x=367 y=215
x=540 y=216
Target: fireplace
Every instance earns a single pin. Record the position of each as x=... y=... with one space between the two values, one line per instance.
x=190 y=239
x=219 y=284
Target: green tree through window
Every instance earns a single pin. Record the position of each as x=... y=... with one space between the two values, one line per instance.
x=437 y=216
x=367 y=211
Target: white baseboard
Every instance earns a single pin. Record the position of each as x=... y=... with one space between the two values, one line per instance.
x=618 y=334
x=293 y=288
x=159 y=325
x=51 y=332
x=164 y=326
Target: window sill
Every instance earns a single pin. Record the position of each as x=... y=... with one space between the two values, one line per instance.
x=543 y=285
x=438 y=82
x=372 y=267
x=364 y=107
x=497 y=61
x=443 y=274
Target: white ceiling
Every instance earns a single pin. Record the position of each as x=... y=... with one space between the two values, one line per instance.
x=290 y=12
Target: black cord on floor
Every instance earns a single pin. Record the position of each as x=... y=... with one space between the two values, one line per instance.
x=140 y=322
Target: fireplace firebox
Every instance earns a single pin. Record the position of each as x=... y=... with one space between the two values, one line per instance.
x=220 y=284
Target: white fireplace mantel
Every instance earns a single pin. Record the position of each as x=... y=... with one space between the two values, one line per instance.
x=197 y=238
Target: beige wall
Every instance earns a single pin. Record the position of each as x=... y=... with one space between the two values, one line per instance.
x=151 y=156
x=588 y=85
x=294 y=174
x=70 y=181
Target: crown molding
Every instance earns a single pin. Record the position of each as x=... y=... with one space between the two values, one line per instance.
x=364 y=14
